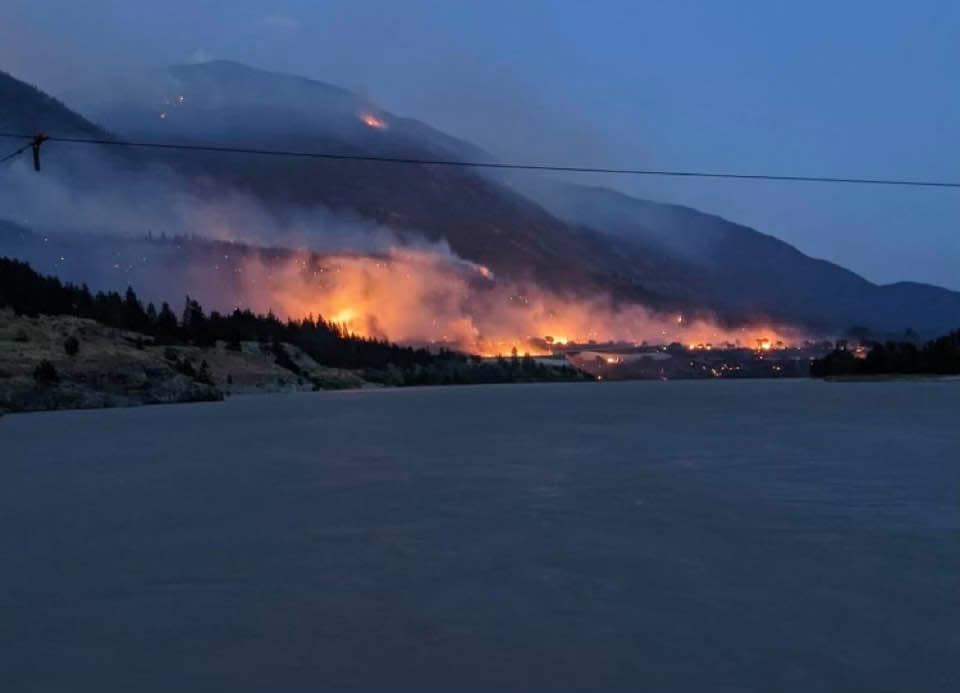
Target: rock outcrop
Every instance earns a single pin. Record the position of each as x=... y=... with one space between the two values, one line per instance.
x=63 y=362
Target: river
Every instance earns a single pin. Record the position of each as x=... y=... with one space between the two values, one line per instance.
x=679 y=536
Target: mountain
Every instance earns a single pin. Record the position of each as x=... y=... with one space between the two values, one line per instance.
x=741 y=271
x=227 y=103
x=26 y=109
x=570 y=238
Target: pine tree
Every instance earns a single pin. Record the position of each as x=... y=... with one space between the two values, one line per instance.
x=134 y=316
x=166 y=325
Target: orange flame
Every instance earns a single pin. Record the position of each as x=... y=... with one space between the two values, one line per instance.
x=373 y=121
x=428 y=296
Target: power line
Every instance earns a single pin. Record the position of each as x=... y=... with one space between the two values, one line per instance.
x=12 y=155
x=497 y=165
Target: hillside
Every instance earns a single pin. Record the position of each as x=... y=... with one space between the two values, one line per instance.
x=742 y=271
x=114 y=367
x=26 y=109
x=571 y=239
x=228 y=102
x=482 y=220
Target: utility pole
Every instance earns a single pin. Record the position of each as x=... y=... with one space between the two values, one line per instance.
x=38 y=139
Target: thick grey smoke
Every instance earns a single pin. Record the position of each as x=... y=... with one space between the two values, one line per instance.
x=309 y=262
x=135 y=202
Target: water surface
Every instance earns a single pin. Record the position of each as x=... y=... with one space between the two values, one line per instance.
x=683 y=536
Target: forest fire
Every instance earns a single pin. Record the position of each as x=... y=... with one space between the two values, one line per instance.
x=343 y=317
x=372 y=121
x=427 y=296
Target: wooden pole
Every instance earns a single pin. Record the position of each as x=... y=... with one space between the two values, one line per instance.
x=38 y=139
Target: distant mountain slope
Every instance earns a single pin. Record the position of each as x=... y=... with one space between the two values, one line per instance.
x=228 y=103
x=568 y=237
x=26 y=109
x=743 y=271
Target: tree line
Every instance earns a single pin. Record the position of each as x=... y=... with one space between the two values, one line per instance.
x=29 y=293
x=939 y=356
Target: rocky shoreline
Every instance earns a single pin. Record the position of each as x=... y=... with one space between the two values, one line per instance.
x=64 y=362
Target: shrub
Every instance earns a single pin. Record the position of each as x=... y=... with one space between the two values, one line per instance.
x=203 y=375
x=283 y=359
x=186 y=368
x=46 y=373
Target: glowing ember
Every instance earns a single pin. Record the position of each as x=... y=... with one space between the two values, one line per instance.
x=371 y=121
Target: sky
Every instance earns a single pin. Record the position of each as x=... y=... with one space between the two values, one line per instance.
x=859 y=88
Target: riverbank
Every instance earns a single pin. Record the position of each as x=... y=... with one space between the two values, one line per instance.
x=64 y=362
x=892 y=378
x=214 y=352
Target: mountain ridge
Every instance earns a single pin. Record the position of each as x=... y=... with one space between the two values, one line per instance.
x=572 y=238
x=25 y=109
x=719 y=254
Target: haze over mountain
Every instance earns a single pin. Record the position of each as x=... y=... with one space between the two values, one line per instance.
x=482 y=220
x=740 y=270
x=569 y=238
